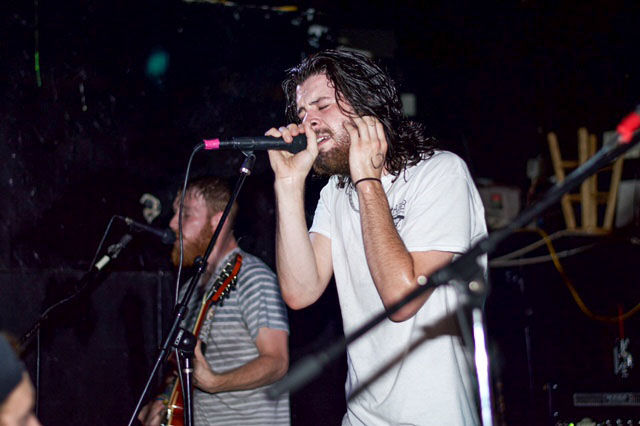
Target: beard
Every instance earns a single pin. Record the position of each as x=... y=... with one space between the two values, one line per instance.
x=192 y=249
x=336 y=160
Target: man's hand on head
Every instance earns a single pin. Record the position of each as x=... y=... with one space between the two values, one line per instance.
x=368 y=148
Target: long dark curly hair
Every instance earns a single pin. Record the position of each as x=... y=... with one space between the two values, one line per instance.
x=370 y=91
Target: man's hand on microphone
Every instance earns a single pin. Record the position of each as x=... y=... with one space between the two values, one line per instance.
x=287 y=166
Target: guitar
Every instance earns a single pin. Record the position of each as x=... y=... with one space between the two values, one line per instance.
x=220 y=289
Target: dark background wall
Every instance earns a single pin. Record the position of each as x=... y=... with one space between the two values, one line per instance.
x=97 y=126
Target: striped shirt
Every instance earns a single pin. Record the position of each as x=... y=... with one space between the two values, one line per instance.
x=229 y=332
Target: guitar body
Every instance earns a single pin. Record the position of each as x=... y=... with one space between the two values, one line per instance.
x=221 y=288
x=175 y=410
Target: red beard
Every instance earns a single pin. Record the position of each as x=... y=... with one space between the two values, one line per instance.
x=192 y=249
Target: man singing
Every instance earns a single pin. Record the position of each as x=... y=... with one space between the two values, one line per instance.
x=394 y=211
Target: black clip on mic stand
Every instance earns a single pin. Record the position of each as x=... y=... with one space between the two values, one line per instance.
x=178 y=335
x=466 y=269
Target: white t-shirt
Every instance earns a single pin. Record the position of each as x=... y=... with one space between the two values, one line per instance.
x=435 y=206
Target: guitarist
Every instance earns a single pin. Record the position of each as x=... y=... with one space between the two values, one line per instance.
x=246 y=338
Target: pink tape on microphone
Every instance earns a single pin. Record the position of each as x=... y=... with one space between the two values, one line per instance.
x=211 y=144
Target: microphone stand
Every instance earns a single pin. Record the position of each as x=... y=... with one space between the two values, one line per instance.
x=112 y=252
x=176 y=333
x=466 y=269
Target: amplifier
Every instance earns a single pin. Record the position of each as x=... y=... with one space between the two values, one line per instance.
x=501 y=204
x=600 y=409
x=607 y=399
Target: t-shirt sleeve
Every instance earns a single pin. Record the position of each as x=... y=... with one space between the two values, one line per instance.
x=322 y=216
x=440 y=211
x=260 y=301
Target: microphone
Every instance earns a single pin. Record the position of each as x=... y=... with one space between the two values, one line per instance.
x=259 y=143
x=166 y=235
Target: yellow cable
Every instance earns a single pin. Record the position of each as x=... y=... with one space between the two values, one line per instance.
x=583 y=307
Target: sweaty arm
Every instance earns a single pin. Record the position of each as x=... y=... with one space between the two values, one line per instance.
x=303 y=260
x=394 y=269
x=268 y=367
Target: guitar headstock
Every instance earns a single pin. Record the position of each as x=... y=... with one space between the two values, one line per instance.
x=226 y=281
x=218 y=291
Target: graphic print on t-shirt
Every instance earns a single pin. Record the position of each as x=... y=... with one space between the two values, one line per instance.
x=397 y=212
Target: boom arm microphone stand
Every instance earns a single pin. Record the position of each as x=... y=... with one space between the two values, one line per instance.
x=112 y=252
x=466 y=269
x=87 y=279
x=176 y=335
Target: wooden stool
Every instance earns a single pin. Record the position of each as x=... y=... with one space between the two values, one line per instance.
x=589 y=196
